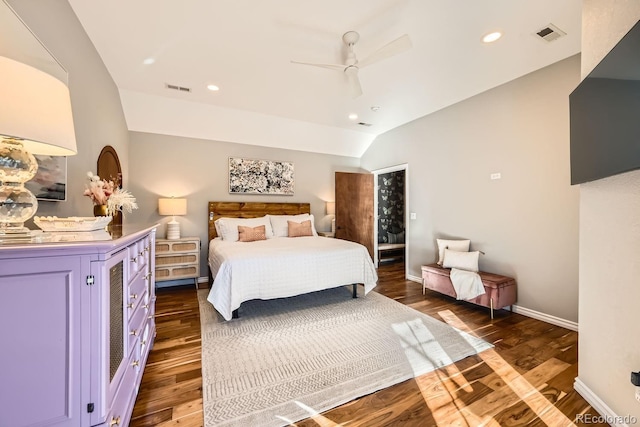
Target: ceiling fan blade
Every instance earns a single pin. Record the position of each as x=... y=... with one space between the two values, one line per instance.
x=354 y=81
x=399 y=45
x=329 y=66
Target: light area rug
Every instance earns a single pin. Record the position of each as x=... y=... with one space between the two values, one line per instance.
x=287 y=359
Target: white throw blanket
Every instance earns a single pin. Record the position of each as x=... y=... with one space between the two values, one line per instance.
x=467 y=284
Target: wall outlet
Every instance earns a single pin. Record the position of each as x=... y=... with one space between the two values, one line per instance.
x=495 y=175
x=412 y=215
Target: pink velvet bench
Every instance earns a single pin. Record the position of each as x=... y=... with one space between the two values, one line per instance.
x=500 y=291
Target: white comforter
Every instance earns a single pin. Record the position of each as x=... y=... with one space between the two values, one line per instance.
x=284 y=267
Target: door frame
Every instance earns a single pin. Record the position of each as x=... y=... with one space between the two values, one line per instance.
x=376 y=172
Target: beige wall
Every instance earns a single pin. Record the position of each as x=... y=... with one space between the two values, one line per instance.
x=164 y=166
x=609 y=244
x=97 y=112
x=526 y=222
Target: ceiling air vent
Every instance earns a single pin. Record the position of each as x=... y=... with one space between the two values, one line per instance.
x=178 y=88
x=550 y=33
x=364 y=124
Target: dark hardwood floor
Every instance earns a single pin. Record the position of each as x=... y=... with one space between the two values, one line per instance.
x=526 y=380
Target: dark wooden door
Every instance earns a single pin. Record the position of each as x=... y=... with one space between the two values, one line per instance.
x=354 y=208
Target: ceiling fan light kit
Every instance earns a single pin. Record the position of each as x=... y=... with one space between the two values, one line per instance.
x=352 y=65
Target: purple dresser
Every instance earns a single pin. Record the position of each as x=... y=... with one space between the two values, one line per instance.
x=76 y=327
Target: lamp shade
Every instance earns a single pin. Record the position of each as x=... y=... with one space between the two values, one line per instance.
x=35 y=108
x=172 y=206
x=331 y=208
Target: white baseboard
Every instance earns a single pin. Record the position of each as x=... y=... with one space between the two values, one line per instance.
x=203 y=279
x=414 y=278
x=527 y=312
x=546 y=317
x=603 y=409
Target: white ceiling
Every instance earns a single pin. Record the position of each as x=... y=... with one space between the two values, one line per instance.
x=245 y=47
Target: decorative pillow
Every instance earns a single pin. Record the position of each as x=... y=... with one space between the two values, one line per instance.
x=454 y=245
x=251 y=234
x=280 y=226
x=462 y=260
x=395 y=237
x=227 y=228
x=299 y=229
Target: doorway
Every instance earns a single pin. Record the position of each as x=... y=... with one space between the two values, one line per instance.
x=391 y=215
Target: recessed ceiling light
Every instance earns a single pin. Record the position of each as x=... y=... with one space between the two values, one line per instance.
x=149 y=61
x=491 y=37
x=353 y=116
x=213 y=88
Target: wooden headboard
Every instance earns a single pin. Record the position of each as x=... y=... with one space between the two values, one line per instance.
x=251 y=210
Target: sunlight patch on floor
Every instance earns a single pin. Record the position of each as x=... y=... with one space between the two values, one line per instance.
x=321 y=420
x=524 y=389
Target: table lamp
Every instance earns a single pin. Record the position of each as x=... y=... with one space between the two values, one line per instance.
x=331 y=210
x=172 y=207
x=35 y=118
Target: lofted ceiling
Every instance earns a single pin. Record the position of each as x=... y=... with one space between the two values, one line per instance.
x=245 y=48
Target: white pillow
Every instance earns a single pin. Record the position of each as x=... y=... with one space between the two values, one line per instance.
x=462 y=260
x=454 y=245
x=227 y=228
x=280 y=225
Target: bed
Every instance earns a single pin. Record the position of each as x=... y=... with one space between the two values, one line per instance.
x=279 y=267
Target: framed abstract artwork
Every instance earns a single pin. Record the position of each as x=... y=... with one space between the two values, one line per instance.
x=50 y=182
x=250 y=176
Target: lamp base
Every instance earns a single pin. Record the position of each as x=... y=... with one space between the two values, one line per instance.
x=173 y=230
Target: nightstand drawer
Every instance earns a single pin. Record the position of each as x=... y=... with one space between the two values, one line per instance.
x=169 y=246
x=178 y=259
x=177 y=272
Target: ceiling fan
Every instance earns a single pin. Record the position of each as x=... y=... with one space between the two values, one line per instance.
x=350 y=69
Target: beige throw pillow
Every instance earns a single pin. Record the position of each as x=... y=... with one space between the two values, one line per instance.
x=461 y=260
x=299 y=229
x=251 y=234
x=453 y=245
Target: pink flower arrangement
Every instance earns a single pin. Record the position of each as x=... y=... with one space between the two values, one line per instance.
x=99 y=190
x=103 y=192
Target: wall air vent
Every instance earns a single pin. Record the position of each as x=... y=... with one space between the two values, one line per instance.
x=364 y=124
x=550 y=33
x=178 y=88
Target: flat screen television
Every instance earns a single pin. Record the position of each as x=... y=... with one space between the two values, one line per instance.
x=605 y=115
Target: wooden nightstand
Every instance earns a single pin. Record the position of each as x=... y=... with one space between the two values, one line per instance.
x=178 y=259
x=326 y=234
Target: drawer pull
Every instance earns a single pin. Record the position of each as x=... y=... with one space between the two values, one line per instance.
x=134 y=333
x=114 y=421
x=147 y=248
x=135 y=363
x=133 y=296
x=150 y=317
x=134 y=259
x=147 y=276
x=141 y=253
x=146 y=306
x=130 y=305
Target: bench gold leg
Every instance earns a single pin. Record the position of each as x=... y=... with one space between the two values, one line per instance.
x=491 y=302
x=423 y=286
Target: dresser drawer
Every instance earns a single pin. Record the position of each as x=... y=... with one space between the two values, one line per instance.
x=136 y=326
x=137 y=291
x=122 y=406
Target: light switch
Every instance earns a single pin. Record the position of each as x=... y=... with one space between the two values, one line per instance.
x=413 y=215
x=496 y=175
